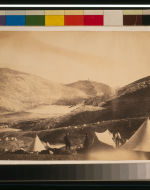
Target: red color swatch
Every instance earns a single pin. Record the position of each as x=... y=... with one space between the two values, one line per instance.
x=74 y=20
x=93 y=20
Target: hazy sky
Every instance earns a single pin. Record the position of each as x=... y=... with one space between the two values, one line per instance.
x=113 y=58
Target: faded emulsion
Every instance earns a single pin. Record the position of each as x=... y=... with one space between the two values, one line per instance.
x=78 y=95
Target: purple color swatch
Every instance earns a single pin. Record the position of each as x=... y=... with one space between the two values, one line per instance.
x=2 y=20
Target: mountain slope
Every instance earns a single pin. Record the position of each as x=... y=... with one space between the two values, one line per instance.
x=19 y=91
x=91 y=88
x=130 y=104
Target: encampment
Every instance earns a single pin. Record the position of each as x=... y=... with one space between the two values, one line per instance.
x=140 y=140
x=36 y=145
x=103 y=140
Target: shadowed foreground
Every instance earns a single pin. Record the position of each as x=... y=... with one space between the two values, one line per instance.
x=111 y=155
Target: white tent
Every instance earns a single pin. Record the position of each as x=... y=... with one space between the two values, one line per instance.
x=57 y=146
x=36 y=145
x=48 y=144
x=140 y=141
x=6 y=139
x=106 y=138
x=15 y=139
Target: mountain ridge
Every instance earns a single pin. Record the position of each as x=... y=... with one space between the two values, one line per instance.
x=20 y=91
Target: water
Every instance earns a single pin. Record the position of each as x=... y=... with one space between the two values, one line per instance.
x=42 y=111
x=51 y=109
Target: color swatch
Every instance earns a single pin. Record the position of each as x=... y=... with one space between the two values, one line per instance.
x=74 y=17
x=113 y=18
x=2 y=18
x=132 y=17
x=73 y=172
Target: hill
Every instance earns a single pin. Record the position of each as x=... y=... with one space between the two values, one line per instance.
x=20 y=91
x=132 y=104
x=91 y=88
x=97 y=92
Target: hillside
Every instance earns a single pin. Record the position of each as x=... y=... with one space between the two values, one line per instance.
x=91 y=88
x=119 y=92
x=135 y=86
x=20 y=91
x=129 y=105
x=97 y=92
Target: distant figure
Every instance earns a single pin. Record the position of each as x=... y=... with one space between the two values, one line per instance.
x=117 y=138
x=67 y=141
x=86 y=142
x=129 y=123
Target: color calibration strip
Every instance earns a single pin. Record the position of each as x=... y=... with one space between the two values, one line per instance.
x=74 y=17
x=97 y=172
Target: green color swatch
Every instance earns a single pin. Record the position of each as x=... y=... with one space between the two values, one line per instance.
x=35 y=20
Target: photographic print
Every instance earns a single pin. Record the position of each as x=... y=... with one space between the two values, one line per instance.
x=74 y=95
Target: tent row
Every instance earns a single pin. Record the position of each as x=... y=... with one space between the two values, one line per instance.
x=140 y=141
x=37 y=146
x=11 y=138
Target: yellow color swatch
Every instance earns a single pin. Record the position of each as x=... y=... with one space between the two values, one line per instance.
x=54 y=12
x=132 y=12
x=54 y=20
x=74 y=12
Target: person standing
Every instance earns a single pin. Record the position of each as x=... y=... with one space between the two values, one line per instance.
x=86 y=142
x=117 y=138
x=67 y=141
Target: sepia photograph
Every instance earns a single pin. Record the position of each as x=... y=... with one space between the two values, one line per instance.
x=74 y=95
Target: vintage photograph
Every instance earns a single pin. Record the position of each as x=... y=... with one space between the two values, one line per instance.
x=74 y=95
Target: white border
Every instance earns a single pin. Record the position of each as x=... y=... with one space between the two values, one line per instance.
x=68 y=5
x=72 y=28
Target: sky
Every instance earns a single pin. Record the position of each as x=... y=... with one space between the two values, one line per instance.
x=113 y=58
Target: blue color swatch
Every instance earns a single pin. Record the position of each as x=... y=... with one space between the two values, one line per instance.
x=15 y=20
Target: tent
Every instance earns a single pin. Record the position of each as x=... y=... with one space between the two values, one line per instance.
x=47 y=144
x=15 y=139
x=36 y=145
x=6 y=139
x=140 y=140
x=103 y=140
